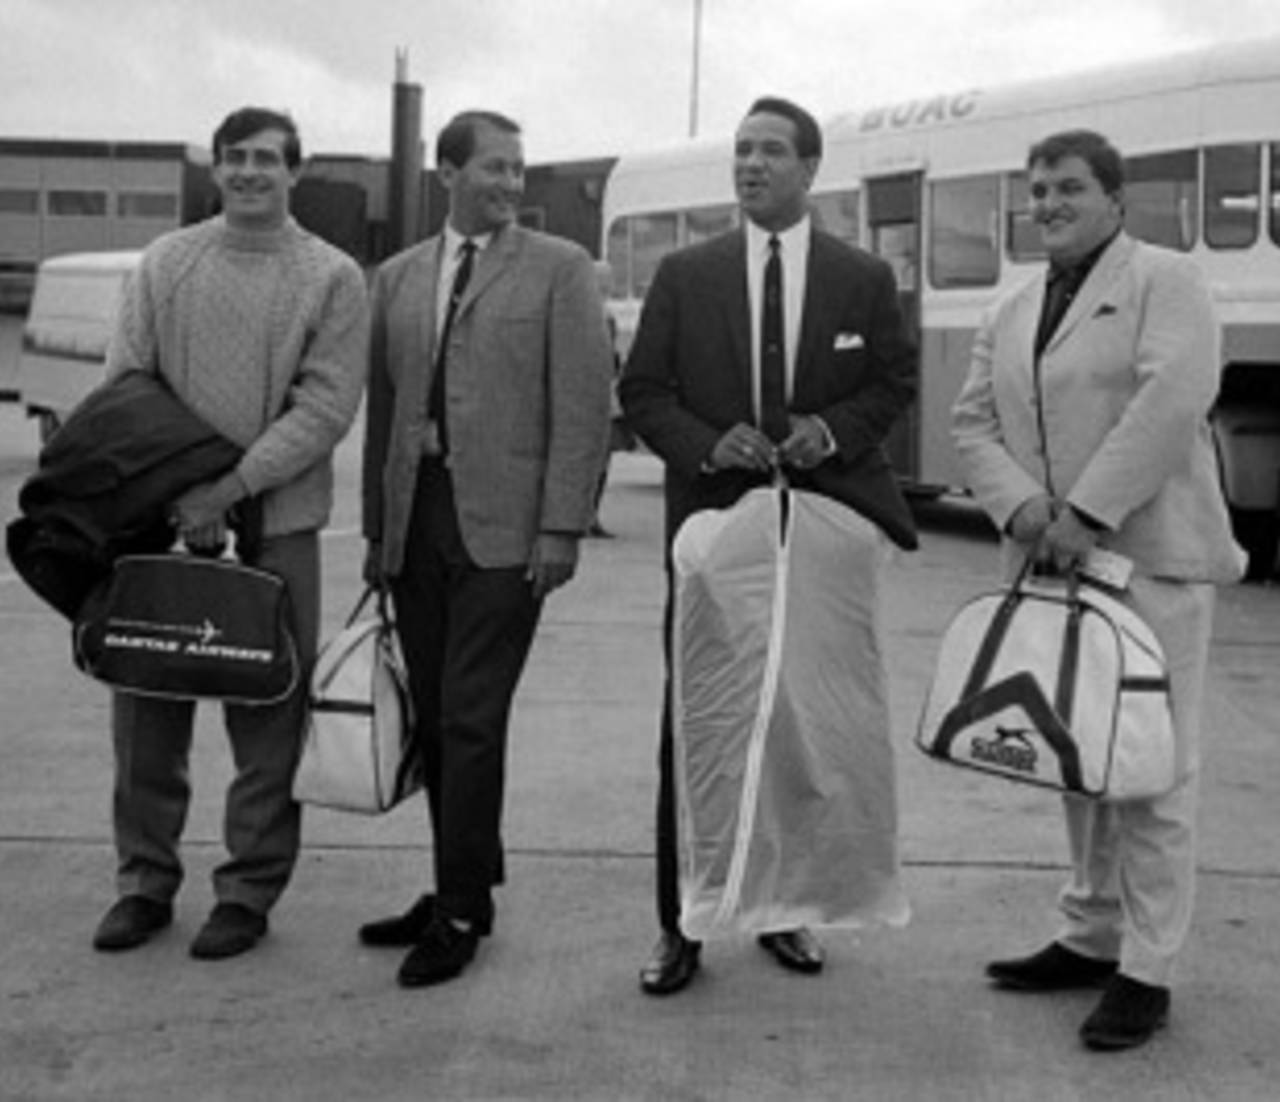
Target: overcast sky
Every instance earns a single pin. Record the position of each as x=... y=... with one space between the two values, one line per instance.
x=586 y=78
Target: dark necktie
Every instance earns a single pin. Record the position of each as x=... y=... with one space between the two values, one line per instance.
x=435 y=400
x=773 y=362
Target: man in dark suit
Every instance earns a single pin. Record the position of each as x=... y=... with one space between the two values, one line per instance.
x=488 y=417
x=725 y=390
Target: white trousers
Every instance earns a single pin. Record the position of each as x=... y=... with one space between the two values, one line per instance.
x=1133 y=864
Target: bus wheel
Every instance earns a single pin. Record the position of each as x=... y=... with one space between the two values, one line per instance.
x=1258 y=532
x=47 y=424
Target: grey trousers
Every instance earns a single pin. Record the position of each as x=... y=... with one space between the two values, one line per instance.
x=261 y=821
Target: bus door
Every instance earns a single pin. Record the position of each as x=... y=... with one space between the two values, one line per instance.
x=893 y=233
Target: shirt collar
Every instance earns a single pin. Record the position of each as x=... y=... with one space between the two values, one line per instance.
x=1075 y=274
x=453 y=241
x=758 y=237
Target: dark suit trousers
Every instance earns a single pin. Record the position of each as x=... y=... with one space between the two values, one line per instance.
x=668 y=866
x=466 y=632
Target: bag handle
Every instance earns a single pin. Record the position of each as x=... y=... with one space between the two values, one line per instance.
x=383 y=605
x=1070 y=660
x=991 y=641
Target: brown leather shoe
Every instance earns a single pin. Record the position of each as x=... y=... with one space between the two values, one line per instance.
x=1054 y=968
x=795 y=949
x=1128 y=1015
x=672 y=965
x=131 y=921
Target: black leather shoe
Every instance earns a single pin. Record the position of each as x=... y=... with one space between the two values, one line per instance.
x=1128 y=1015
x=442 y=952
x=1054 y=968
x=673 y=963
x=405 y=930
x=796 y=949
x=402 y=930
x=230 y=929
x=131 y=921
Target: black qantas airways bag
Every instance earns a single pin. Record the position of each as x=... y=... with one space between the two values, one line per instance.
x=189 y=627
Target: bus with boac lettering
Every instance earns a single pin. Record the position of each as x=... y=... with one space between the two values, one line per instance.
x=937 y=186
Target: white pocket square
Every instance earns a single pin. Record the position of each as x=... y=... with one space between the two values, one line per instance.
x=846 y=341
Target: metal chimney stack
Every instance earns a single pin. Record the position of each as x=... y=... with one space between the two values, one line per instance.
x=404 y=195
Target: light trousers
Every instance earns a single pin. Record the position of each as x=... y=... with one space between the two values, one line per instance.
x=1132 y=886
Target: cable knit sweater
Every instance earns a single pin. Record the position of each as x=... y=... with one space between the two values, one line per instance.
x=264 y=336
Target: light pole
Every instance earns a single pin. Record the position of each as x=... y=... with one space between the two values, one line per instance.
x=697 y=52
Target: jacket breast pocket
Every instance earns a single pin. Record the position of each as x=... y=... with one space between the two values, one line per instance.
x=846 y=371
x=1108 y=350
x=849 y=359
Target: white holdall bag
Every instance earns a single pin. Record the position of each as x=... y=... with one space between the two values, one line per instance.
x=1054 y=682
x=359 y=753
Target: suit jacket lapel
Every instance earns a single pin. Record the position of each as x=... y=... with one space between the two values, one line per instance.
x=1025 y=320
x=1096 y=287
x=490 y=264
x=812 y=311
x=422 y=292
x=737 y=305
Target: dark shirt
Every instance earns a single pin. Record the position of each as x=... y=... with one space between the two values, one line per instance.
x=1063 y=283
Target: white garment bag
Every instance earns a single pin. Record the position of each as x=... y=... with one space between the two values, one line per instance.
x=784 y=768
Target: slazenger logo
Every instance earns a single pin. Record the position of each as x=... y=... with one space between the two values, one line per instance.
x=1010 y=749
x=158 y=638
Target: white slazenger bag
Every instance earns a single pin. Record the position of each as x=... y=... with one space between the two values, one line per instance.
x=359 y=752
x=784 y=770
x=1057 y=683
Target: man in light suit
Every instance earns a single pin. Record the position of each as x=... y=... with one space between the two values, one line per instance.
x=488 y=414
x=695 y=390
x=1084 y=423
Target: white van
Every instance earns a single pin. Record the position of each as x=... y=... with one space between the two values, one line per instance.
x=64 y=341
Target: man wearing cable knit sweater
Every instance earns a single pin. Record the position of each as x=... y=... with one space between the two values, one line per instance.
x=261 y=329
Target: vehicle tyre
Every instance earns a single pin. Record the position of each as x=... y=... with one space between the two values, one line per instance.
x=1258 y=532
x=47 y=423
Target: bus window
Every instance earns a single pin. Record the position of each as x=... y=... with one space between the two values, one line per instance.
x=1231 y=195
x=1275 y=193
x=1159 y=198
x=963 y=216
x=1021 y=232
x=16 y=200
x=617 y=251
x=707 y=222
x=147 y=204
x=652 y=237
x=76 y=203
x=837 y=213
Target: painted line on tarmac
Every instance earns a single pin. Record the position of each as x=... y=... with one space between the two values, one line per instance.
x=570 y=853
